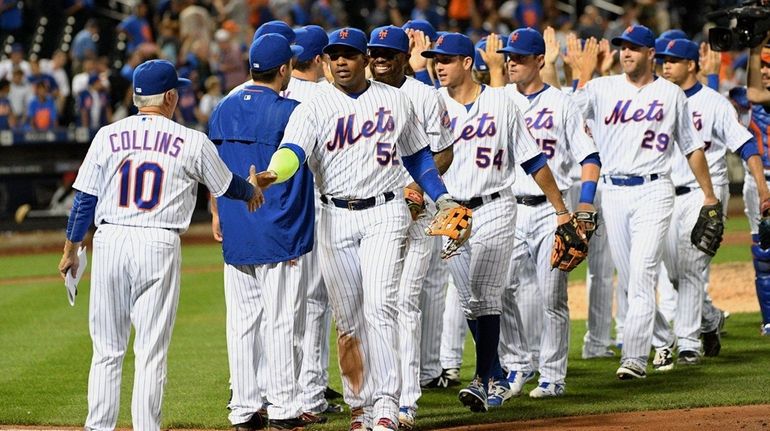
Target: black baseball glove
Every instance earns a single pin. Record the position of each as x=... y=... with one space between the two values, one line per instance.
x=706 y=236
x=587 y=221
x=570 y=247
x=764 y=225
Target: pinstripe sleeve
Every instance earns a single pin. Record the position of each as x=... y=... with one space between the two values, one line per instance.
x=520 y=143
x=90 y=177
x=301 y=129
x=212 y=171
x=580 y=144
x=412 y=138
x=437 y=123
x=685 y=134
x=730 y=130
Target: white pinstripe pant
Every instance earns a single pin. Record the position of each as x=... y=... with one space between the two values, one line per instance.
x=638 y=218
x=432 y=303
x=362 y=256
x=135 y=279
x=419 y=247
x=454 y=329
x=535 y=228
x=688 y=267
x=267 y=303
x=481 y=268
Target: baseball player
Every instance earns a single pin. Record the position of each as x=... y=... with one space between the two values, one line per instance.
x=356 y=135
x=265 y=278
x=492 y=136
x=270 y=27
x=638 y=120
x=717 y=122
x=389 y=53
x=759 y=80
x=558 y=127
x=138 y=182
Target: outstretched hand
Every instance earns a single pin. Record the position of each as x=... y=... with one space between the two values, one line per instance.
x=258 y=198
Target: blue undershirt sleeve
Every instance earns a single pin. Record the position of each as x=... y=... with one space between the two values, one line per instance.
x=592 y=158
x=712 y=81
x=423 y=76
x=421 y=167
x=81 y=216
x=239 y=189
x=748 y=149
x=534 y=164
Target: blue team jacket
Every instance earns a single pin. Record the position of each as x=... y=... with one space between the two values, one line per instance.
x=247 y=127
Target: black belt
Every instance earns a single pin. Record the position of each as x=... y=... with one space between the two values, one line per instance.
x=531 y=201
x=630 y=181
x=478 y=201
x=682 y=190
x=356 y=204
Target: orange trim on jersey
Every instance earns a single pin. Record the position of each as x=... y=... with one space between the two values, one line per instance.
x=758 y=135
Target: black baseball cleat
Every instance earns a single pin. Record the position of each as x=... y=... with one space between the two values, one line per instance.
x=449 y=377
x=300 y=422
x=331 y=394
x=257 y=422
x=688 y=357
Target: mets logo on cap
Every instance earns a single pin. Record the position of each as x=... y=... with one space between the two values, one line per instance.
x=382 y=34
x=629 y=29
x=344 y=33
x=440 y=40
x=514 y=36
x=670 y=45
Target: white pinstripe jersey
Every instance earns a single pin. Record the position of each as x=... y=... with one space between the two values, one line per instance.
x=558 y=127
x=489 y=138
x=635 y=128
x=717 y=122
x=353 y=144
x=432 y=115
x=300 y=90
x=145 y=171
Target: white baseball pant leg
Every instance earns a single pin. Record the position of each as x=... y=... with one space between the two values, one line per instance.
x=455 y=328
x=432 y=302
x=135 y=279
x=637 y=219
x=418 y=253
x=362 y=255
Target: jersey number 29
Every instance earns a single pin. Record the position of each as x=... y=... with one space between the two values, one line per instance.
x=139 y=177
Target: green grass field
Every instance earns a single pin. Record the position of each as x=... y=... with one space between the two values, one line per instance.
x=46 y=356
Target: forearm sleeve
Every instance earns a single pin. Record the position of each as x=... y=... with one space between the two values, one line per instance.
x=81 y=216
x=285 y=162
x=239 y=189
x=421 y=167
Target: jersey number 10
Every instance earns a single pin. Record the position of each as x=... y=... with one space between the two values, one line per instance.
x=139 y=177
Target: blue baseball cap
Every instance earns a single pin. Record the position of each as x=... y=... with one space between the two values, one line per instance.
x=270 y=51
x=525 y=41
x=674 y=33
x=156 y=77
x=680 y=48
x=391 y=37
x=478 y=61
x=660 y=46
x=347 y=36
x=275 y=27
x=422 y=25
x=638 y=35
x=452 y=44
x=312 y=39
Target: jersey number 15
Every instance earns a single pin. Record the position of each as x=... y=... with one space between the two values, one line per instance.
x=139 y=178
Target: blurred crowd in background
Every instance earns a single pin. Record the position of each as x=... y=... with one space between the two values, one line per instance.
x=69 y=63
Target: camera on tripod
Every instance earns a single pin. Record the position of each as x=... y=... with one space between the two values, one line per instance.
x=752 y=25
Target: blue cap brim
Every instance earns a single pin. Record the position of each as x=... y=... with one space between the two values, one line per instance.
x=182 y=82
x=617 y=41
x=435 y=52
x=378 y=45
x=347 y=45
x=511 y=50
x=660 y=55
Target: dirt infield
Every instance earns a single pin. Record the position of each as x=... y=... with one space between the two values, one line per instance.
x=746 y=418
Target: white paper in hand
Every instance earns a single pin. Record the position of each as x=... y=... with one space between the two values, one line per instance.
x=70 y=282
